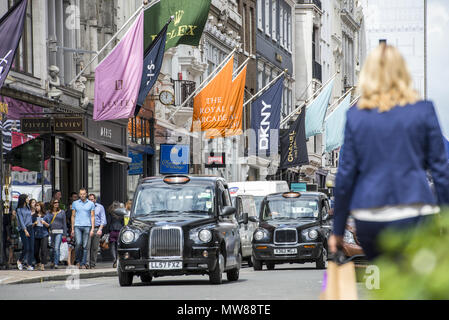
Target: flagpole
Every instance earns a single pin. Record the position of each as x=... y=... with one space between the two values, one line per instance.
x=106 y=45
x=311 y=99
x=264 y=88
x=339 y=100
x=241 y=67
x=209 y=77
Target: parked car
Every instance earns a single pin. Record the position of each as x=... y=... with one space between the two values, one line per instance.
x=246 y=204
x=293 y=228
x=180 y=225
x=258 y=189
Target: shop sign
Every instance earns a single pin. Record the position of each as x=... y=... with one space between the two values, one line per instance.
x=46 y=125
x=299 y=187
x=136 y=165
x=72 y=125
x=35 y=125
x=174 y=159
x=215 y=160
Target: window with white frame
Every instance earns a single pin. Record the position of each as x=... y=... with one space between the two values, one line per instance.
x=289 y=31
x=285 y=28
x=273 y=19
x=281 y=24
x=267 y=17
x=259 y=15
x=259 y=79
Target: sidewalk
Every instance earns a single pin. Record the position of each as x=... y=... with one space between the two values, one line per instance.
x=15 y=276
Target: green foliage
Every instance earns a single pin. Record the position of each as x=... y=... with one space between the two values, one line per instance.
x=415 y=263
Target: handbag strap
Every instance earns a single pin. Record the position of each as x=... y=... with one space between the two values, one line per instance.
x=54 y=217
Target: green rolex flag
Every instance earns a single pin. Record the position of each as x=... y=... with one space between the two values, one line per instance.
x=190 y=16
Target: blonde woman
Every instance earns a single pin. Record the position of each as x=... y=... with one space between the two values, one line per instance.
x=392 y=138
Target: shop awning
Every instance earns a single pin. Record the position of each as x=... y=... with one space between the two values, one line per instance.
x=106 y=152
x=141 y=148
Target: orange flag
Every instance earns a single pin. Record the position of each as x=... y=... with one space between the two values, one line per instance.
x=210 y=105
x=234 y=125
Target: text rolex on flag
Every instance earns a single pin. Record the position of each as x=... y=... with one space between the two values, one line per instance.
x=118 y=76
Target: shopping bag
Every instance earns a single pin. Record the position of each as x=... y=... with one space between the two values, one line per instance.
x=339 y=281
x=64 y=251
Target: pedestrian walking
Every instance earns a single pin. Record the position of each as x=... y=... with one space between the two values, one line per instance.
x=33 y=211
x=94 y=241
x=116 y=223
x=391 y=139
x=25 y=225
x=57 y=195
x=58 y=229
x=83 y=223
x=41 y=223
x=70 y=239
x=128 y=206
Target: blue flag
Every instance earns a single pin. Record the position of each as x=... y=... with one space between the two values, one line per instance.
x=152 y=64
x=316 y=111
x=335 y=125
x=11 y=27
x=266 y=118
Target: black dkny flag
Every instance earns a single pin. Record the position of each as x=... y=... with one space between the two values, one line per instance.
x=11 y=27
x=152 y=63
x=293 y=144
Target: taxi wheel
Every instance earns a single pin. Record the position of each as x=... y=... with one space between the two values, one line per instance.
x=270 y=266
x=146 y=278
x=233 y=275
x=125 y=279
x=321 y=262
x=216 y=275
x=257 y=264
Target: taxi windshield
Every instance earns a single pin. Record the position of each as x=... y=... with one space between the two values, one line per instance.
x=282 y=208
x=164 y=199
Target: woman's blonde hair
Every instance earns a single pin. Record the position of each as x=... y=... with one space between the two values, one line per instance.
x=385 y=81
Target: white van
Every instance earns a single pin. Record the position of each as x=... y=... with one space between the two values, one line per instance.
x=258 y=189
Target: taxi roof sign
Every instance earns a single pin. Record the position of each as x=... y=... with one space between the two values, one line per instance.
x=176 y=179
x=291 y=194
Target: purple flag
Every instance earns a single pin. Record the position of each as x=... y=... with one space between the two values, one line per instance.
x=117 y=77
x=11 y=27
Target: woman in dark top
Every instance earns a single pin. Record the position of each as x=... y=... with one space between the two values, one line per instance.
x=41 y=223
x=391 y=140
x=25 y=224
x=58 y=227
x=115 y=225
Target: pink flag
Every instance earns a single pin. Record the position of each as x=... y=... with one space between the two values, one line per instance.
x=117 y=77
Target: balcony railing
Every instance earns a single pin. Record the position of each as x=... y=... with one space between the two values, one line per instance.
x=316 y=72
x=315 y=2
x=183 y=89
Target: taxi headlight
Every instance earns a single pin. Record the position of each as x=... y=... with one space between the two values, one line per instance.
x=259 y=235
x=127 y=236
x=313 y=234
x=205 y=235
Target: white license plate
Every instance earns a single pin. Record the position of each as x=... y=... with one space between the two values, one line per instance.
x=285 y=251
x=165 y=265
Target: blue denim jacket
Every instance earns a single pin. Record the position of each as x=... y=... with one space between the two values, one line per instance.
x=24 y=218
x=41 y=232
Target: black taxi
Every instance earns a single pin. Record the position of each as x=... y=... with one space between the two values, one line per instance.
x=180 y=225
x=293 y=228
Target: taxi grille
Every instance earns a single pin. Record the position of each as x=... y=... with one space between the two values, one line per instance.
x=282 y=236
x=166 y=242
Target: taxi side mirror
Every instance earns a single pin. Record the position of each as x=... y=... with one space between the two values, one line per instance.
x=245 y=218
x=228 y=210
x=253 y=219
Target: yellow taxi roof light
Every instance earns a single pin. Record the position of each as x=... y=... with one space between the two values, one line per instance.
x=176 y=179
x=291 y=195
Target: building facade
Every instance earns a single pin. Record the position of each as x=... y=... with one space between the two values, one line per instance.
x=59 y=38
